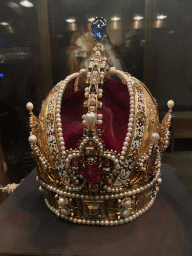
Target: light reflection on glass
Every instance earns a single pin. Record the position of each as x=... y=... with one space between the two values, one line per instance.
x=26 y=3
x=161 y=17
x=4 y=23
x=115 y=18
x=138 y=17
x=70 y=20
x=91 y=19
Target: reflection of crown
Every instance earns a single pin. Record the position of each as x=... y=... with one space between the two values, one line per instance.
x=99 y=159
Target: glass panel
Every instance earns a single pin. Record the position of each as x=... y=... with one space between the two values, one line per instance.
x=72 y=41
x=172 y=44
x=18 y=36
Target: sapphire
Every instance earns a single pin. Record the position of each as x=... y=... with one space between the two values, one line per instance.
x=99 y=26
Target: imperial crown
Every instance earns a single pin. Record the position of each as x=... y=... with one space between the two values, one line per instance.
x=98 y=151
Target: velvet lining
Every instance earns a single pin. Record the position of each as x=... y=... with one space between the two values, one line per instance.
x=115 y=112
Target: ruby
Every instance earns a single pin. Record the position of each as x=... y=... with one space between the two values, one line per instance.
x=91 y=173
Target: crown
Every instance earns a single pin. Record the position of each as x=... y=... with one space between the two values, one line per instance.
x=98 y=151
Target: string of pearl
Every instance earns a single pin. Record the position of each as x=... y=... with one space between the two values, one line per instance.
x=61 y=90
x=170 y=105
x=130 y=129
x=106 y=197
x=102 y=222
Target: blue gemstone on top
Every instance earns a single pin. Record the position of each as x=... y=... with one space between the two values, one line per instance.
x=99 y=26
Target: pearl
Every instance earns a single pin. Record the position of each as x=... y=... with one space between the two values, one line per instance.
x=125 y=214
x=64 y=212
x=99 y=121
x=82 y=72
x=116 y=222
x=100 y=95
x=127 y=204
x=121 y=221
x=170 y=104
x=79 y=221
x=106 y=222
x=92 y=108
x=86 y=95
x=99 y=116
x=29 y=106
x=124 y=148
x=155 y=137
x=123 y=153
x=159 y=180
x=90 y=119
x=92 y=101
x=32 y=139
x=112 y=70
x=106 y=197
x=111 y=222
x=117 y=167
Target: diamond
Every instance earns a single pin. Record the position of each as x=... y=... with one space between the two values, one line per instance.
x=98 y=27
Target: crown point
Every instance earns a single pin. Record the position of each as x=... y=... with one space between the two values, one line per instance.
x=29 y=106
x=170 y=104
x=32 y=139
x=155 y=137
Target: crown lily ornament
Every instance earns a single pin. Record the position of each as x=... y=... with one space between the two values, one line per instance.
x=98 y=150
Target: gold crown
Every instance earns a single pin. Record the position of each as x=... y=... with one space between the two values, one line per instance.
x=90 y=184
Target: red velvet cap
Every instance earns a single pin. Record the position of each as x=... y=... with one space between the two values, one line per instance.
x=115 y=113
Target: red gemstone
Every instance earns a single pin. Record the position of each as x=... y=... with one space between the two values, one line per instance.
x=91 y=173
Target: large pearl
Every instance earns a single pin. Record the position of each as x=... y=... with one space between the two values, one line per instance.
x=61 y=202
x=29 y=106
x=64 y=212
x=90 y=119
x=32 y=139
x=170 y=104
x=127 y=204
x=125 y=214
x=112 y=70
x=155 y=137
